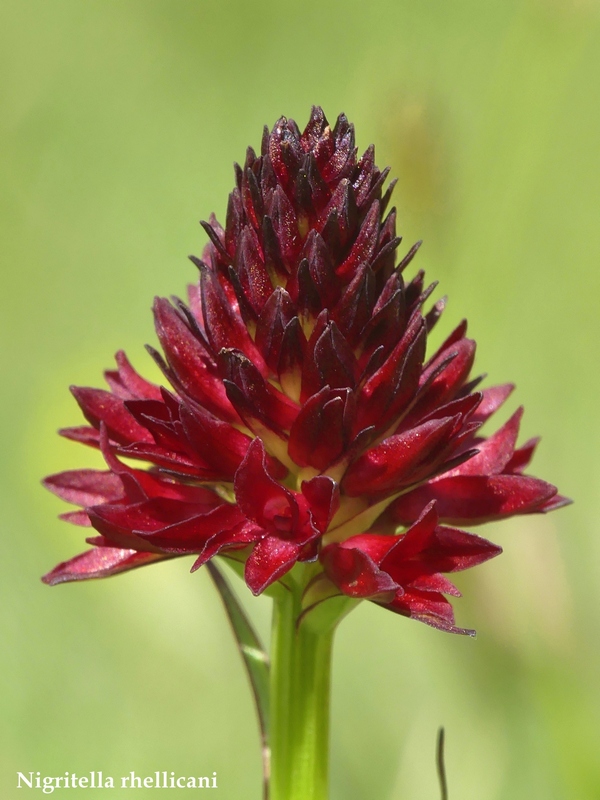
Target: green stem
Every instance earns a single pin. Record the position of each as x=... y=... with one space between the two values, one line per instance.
x=282 y=638
x=310 y=760
x=300 y=683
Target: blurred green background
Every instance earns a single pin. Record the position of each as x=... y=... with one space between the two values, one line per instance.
x=119 y=124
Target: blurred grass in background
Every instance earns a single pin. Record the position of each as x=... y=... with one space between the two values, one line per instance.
x=119 y=123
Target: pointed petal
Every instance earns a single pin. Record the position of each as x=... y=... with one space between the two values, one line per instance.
x=450 y=379
x=395 y=382
x=76 y=518
x=429 y=607
x=494 y=452
x=435 y=583
x=253 y=275
x=343 y=159
x=194 y=367
x=435 y=313
x=427 y=548
x=332 y=363
x=355 y=308
x=225 y=328
x=558 y=501
x=82 y=434
x=217 y=443
x=100 y=562
x=315 y=129
x=393 y=463
x=493 y=398
x=127 y=384
x=473 y=499
x=176 y=462
x=363 y=248
x=522 y=456
x=285 y=151
x=388 y=317
x=285 y=225
x=193 y=534
x=321 y=269
x=85 y=487
x=276 y=314
x=100 y=406
x=235 y=538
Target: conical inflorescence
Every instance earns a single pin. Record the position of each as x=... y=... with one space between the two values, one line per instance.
x=302 y=419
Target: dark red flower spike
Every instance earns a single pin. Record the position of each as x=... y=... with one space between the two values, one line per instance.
x=304 y=419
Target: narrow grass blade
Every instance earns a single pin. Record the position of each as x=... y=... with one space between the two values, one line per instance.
x=440 y=764
x=255 y=660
